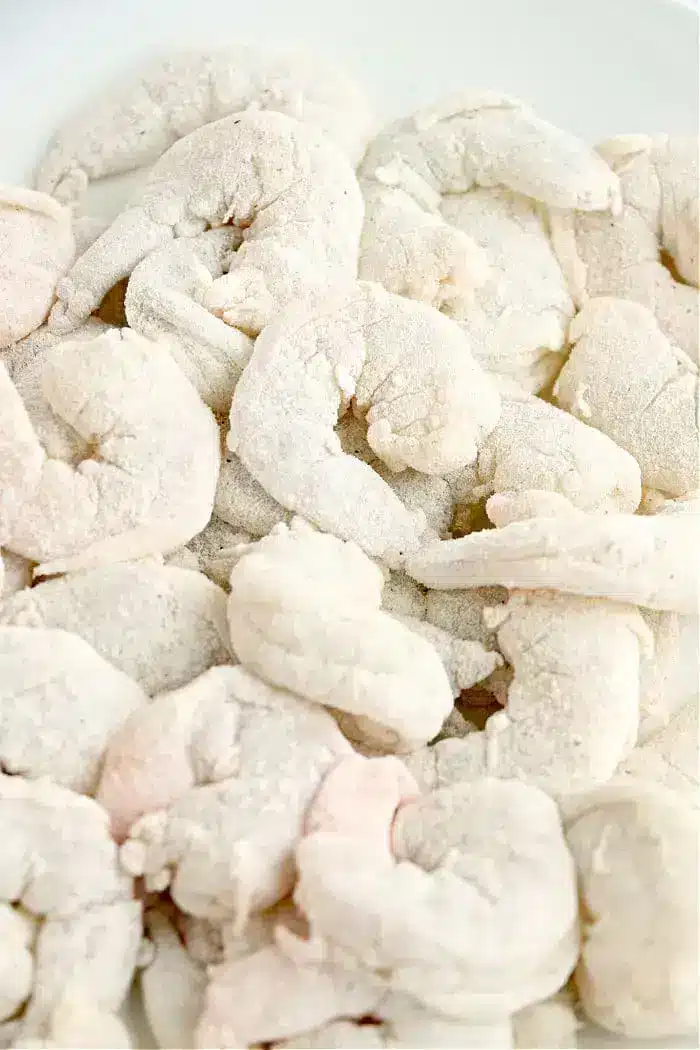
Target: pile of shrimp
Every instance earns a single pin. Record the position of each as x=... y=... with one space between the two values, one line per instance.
x=349 y=506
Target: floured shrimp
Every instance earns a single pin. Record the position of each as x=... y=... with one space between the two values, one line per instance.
x=534 y=445
x=669 y=676
x=149 y=483
x=407 y=1024
x=358 y=798
x=409 y=248
x=172 y=986
x=626 y=378
x=517 y=324
x=461 y=613
x=636 y=852
x=629 y=558
x=165 y=751
x=27 y=353
x=427 y=493
x=461 y=142
x=213 y=551
x=184 y=948
x=436 y=913
x=465 y=662
x=624 y=256
x=61 y=865
x=408 y=368
x=548 y=1025
x=402 y=596
x=160 y=625
x=466 y=659
x=59 y=704
x=17 y=934
x=669 y=755
x=269 y=995
x=164 y=300
x=78 y=1021
x=223 y=772
x=98 y=948
x=131 y=125
x=242 y=502
x=15 y=573
x=36 y=249
x=25 y=362
x=59 y=859
x=572 y=708
x=305 y=614
x=292 y=192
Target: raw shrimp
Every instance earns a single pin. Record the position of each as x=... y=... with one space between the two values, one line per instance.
x=25 y=362
x=572 y=709
x=269 y=995
x=159 y=625
x=223 y=771
x=461 y=142
x=15 y=573
x=242 y=502
x=194 y=736
x=149 y=484
x=486 y=139
x=357 y=797
x=59 y=704
x=649 y=561
x=669 y=755
x=58 y=857
x=78 y=1021
x=305 y=614
x=172 y=986
x=461 y=613
x=427 y=402
x=131 y=125
x=436 y=914
x=409 y=248
x=465 y=662
x=625 y=378
x=17 y=933
x=669 y=674
x=293 y=193
x=164 y=300
x=636 y=851
x=537 y=446
x=92 y=952
x=36 y=249
x=624 y=256
x=213 y=551
x=467 y=659
x=60 y=864
x=517 y=324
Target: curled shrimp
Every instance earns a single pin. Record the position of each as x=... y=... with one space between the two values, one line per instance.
x=627 y=256
x=292 y=192
x=630 y=558
x=131 y=125
x=147 y=479
x=462 y=142
x=408 y=368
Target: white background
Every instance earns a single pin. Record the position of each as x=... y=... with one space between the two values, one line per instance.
x=599 y=67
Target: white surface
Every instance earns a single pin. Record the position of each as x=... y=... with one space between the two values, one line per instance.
x=597 y=67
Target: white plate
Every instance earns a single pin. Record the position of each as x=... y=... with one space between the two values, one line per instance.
x=597 y=67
